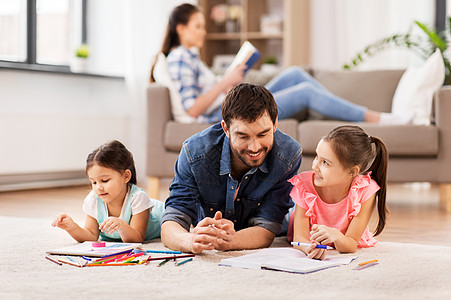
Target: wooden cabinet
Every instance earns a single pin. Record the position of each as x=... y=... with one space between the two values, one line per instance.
x=290 y=44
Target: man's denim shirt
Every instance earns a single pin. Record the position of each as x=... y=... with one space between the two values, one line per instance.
x=203 y=183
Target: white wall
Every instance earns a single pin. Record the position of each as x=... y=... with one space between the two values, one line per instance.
x=342 y=28
x=51 y=122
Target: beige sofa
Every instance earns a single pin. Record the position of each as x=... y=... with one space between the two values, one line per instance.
x=417 y=153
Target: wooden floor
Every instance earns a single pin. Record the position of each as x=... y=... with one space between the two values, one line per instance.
x=415 y=214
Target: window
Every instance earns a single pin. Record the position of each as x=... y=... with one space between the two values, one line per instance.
x=13 y=30
x=52 y=32
x=41 y=34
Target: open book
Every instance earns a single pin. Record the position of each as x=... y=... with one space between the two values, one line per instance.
x=86 y=249
x=247 y=55
x=285 y=259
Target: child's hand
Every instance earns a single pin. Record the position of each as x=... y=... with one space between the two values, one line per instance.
x=324 y=235
x=63 y=221
x=315 y=253
x=111 y=225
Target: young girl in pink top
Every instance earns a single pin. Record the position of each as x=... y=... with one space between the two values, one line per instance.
x=335 y=200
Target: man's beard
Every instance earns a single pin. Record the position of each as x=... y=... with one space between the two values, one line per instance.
x=249 y=162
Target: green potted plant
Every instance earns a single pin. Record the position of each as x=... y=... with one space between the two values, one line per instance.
x=82 y=51
x=79 y=62
x=424 y=45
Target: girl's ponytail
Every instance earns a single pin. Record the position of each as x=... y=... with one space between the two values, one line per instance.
x=379 y=174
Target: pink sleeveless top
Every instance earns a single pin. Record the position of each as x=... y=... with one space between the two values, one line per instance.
x=336 y=215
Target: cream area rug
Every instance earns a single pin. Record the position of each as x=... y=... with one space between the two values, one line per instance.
x=405 y=271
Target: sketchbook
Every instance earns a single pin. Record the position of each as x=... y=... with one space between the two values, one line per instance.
x=86 y=249
x=285 y=259
x=247 y=55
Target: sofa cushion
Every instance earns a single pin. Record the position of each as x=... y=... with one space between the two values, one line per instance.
x=176 y=133
x=417 y=87
x=161 y=75
x=372 y=89
x=406 y=140
x=290 y=127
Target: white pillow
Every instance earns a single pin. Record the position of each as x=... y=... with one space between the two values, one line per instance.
x=161 y=76
x=417 y=87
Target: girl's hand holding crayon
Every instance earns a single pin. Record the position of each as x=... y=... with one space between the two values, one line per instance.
x=63 y=221
x=111 y=224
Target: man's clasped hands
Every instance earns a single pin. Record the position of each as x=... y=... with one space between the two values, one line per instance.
x=213 y=234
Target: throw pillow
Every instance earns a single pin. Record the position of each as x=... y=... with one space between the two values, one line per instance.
x=161 y=75
x=417 y=87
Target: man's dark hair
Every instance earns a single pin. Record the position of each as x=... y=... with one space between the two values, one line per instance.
x=248 y=102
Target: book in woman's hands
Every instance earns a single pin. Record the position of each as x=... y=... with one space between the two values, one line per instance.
x=247 y=55
x=285 y=259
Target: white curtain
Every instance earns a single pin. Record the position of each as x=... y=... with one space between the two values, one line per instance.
x=342 y=28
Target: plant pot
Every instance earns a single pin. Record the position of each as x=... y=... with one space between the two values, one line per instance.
x=269 y=68
x=79 y=65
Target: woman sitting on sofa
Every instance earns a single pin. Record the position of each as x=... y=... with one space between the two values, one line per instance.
x=294 y=90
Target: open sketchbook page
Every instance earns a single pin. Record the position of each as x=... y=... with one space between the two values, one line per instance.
x=87 y=249
x=285 y=259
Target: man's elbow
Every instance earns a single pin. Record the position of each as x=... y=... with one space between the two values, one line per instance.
x=268 y=239
x=174 y=236
x=165 y=233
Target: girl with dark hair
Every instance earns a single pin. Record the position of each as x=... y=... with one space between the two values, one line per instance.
x=116 y=209
x=202 y=92
x=335 y=200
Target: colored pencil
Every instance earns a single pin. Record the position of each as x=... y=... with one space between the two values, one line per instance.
x=170 y=257
x=163 y=251
x=183 y=262
x=368 y=262
x=53 y=260
x=69 y=263
x=118 y=253
x=108 y=265
x=129 y=259
x=163 y=262
x=108 y=261
x=106 y=258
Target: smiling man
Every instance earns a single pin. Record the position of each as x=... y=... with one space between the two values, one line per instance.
x=230 y=180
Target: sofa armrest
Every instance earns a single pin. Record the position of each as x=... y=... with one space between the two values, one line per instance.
x=442 y=110
x=442 y=107
x=158 y=114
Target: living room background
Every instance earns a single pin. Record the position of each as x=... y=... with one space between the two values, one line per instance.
x=55 y=120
